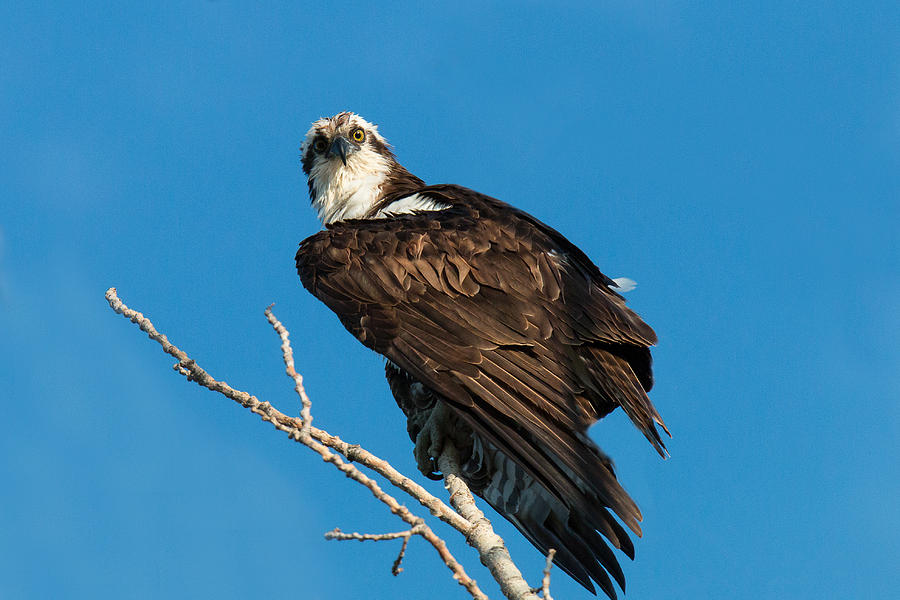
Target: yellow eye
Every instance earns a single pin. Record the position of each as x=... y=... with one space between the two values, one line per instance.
x=358 y=135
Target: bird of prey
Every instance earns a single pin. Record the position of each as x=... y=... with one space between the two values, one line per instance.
x=500 y=335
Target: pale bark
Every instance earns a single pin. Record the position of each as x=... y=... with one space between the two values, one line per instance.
x=467 y=517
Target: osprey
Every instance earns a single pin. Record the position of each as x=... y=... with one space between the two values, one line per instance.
x=500 y=336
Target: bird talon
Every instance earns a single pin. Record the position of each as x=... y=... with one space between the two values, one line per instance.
x=430 y=442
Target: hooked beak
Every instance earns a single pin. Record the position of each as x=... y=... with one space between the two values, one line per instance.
x=342 y=147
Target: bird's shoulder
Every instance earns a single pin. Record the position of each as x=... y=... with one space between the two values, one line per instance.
x=471 y=225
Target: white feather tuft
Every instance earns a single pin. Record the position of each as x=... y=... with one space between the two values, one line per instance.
x=410 y=204
x=624 y=285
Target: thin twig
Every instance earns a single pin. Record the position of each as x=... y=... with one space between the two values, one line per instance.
x=545 y=582
x=481 y=536
x=307 y=435
x=288 y=354
x=396 y=569
x=341 y=536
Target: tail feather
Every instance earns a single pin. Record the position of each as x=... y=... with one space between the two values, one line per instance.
x=547 y=522
x=579 y=525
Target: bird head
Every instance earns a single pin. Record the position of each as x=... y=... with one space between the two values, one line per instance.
x=349 y=166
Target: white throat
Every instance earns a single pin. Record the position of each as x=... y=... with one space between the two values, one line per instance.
x=348 y=192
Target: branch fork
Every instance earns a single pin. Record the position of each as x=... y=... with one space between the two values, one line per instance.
x=465 y=516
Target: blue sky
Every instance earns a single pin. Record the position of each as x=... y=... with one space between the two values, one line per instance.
x=740 y=163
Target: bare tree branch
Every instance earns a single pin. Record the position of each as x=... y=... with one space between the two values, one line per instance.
x=296 y=431
x=353 y=452
x=467 y=517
